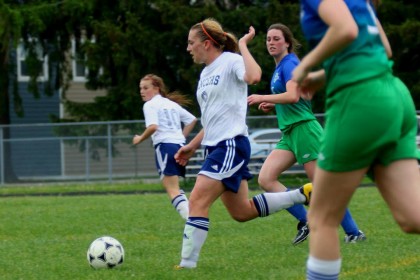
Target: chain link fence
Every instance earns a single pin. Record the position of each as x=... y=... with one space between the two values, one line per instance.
x=101 y=151
x=84 y=152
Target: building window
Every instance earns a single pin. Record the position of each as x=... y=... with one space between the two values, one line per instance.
x=22 y=63
x=79 y=69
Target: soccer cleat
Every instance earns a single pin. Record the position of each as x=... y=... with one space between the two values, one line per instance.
x=180 y=267
x=306 y=190
x=303 y=232
x=355 y=238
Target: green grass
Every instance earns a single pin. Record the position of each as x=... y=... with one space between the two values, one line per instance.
x=46 y=237
x=78 y=188
x=121 y=187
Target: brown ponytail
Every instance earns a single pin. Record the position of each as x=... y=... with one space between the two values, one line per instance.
x=174 y=96
x=210 y=29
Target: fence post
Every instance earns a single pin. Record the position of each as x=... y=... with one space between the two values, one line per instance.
x=1 y=157
x=87 y=161
x=109 y=153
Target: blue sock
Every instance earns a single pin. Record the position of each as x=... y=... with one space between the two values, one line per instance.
x=298 y=211
x=349 y=225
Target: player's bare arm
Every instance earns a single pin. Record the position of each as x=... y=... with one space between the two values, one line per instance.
x=187 y=151
x=137 y=139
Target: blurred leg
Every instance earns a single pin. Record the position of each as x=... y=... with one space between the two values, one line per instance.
x=399 y=184
x=331 y=194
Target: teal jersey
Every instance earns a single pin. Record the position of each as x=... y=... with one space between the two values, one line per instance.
x=363 y=59
x=288 y=115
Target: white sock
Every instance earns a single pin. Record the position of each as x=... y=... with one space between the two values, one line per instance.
x=183 y=209
x=195 y=234
x=180 y=202
x=269 y=203
x=321 y=269
x=297 y=196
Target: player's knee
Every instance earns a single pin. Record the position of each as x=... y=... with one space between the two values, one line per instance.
x=320 y=221
x=240 y=217
x=409 y=229
x=198 y=208
x=265 y=182
x=410 y=226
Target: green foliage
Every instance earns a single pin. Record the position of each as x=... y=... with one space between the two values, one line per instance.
x=134 y=38
x=47 y=238
x=10 y=23
x=402 y=26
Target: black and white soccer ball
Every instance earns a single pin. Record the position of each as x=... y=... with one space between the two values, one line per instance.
x=105 y=252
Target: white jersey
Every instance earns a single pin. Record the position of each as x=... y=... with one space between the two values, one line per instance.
x=168 y=116
x=222 y=95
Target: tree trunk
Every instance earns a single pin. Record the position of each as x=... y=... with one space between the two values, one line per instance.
x=9 y=174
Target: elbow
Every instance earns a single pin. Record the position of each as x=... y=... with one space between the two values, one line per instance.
x=295 y=99
x=351 y=33
x=255 y=79
x=346 y=33
x=153 y=128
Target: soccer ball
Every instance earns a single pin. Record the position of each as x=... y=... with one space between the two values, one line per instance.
x=105 y=252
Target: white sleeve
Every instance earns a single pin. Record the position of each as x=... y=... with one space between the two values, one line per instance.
x=238 y=67
x=150 y=114
x=185 y=116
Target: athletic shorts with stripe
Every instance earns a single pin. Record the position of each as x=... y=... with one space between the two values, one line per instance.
x=165 y=161
x=228 y=162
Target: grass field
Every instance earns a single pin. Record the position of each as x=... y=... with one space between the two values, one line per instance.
x=46 y=237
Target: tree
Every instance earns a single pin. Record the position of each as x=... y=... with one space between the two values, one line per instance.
x=10 y=24
x=32 y=24
x=146 y=38
x=402 y=24
x=133 y=38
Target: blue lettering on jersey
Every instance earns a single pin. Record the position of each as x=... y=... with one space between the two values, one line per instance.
x=212 y=80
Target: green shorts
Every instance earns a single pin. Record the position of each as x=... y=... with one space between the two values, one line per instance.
x=370 y=122
x=303 y=140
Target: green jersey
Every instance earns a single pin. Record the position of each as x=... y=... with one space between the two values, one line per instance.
x=288 y=115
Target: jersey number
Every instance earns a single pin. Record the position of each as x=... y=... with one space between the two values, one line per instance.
x=172 y=118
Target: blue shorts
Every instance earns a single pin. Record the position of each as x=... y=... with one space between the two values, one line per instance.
x=165 y=161
x=228 y=162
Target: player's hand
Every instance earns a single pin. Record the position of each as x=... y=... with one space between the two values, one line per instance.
x=266 y=107
x=183 y=155
x=249 y=36
x=312 y=83
x=299 y=74
x=136 y=139
x=254 y=99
